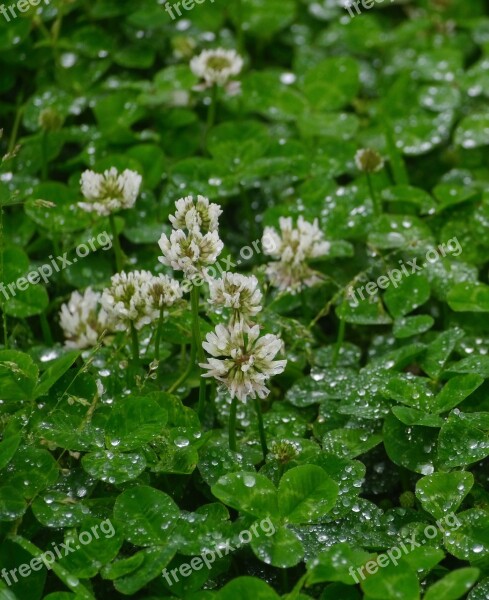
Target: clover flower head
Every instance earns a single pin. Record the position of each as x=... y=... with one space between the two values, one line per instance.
x=83 y=320
x=284 y=451
x=369 y=161
x=290 y=277
x=238 y=293
x=216 y=67
x=128 y=300
x=242 y=360
x=164 y=291
x=109 y=192
x=293 y=246
x=200 y=215
x=190 y=253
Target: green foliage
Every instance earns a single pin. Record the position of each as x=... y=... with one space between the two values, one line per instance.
x=378 y=430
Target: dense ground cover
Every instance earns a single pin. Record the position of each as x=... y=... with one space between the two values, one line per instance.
x=328 y=277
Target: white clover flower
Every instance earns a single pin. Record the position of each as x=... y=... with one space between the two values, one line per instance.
x=290 y=277
x=369 y=161
x=292 y=248
x=109 y=192
x=216 y=67
x=237 y=292
x=83 y=320
x=190 y=253
x=128 y=300
x=242 y=360
x=164 y=291
x=201 y=215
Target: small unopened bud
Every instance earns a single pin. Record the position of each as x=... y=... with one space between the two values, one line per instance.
x=369 y=161
x=283 y=452
x=50 y=120
x=183 y=46
x=43 y=204
x=407 y=500
x=11 y=154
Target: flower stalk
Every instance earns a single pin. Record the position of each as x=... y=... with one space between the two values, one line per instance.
x=373 y=196
x=339 y=342
x=158 y=333
x=119 y=256
x=261 y=428
x=135 y=344
x=199 y=351
x=233 y=446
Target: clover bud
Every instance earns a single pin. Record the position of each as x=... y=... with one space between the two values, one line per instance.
x=407 y=500
x=50 y=120
x=283 y=452
x=369 y=161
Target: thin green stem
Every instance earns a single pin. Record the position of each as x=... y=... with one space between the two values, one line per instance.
x=199 y=351
x=233 y=446
x=119 y=256
x=397 y=164
x=284 y=576
x=15 y=128
x=2 y=272
x=135 y=343
x=211 y=113
x=304 y=308
x=239 y=26
x=339 y=341
x=250 y=215
x=46 y=330
x=187 y=372
x=158 y=333
x=63 y=574
x=211 y=116
x=5 y=329
x=373 y=195
x=295 y=593
x=44 y=156
x=261 y=428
